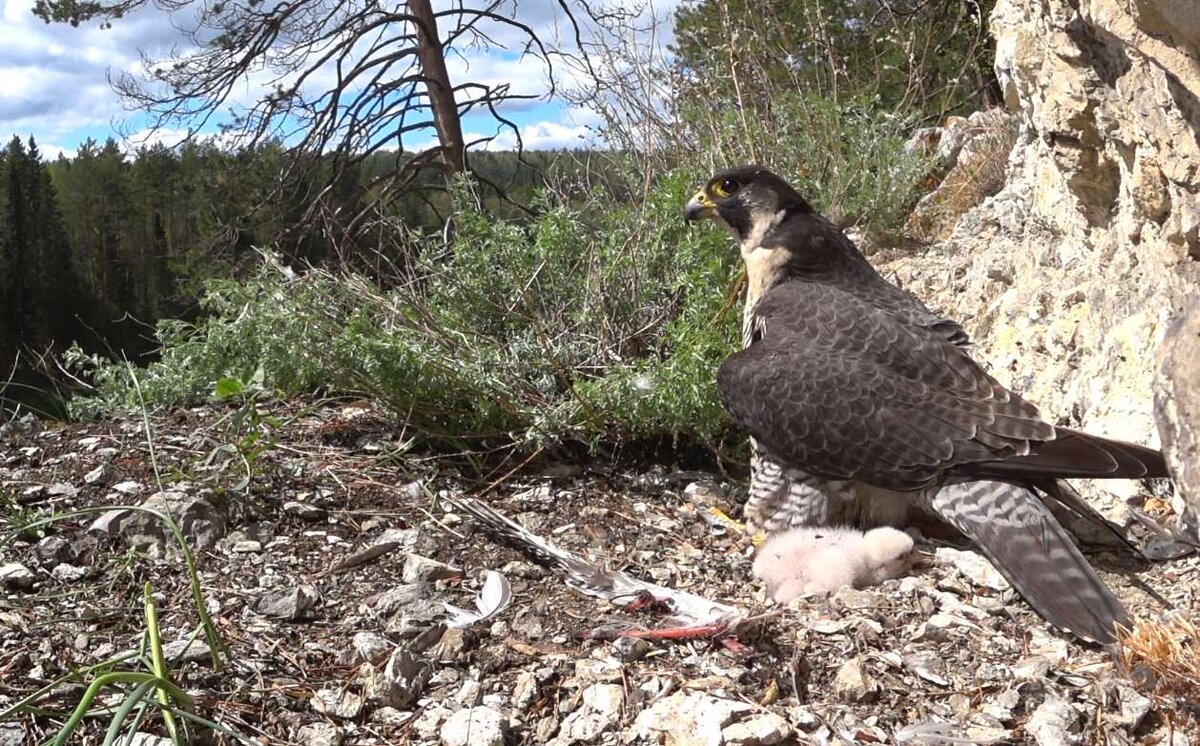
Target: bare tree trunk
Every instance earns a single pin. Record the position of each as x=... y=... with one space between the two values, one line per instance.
x=437 y=82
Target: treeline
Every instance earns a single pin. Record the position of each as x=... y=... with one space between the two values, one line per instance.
x=97 y=247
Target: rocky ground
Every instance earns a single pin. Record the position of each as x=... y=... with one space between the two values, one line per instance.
x=326 y=551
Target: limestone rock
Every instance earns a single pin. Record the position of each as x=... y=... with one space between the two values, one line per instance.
x=475 y=726
x=686 y=718
x=1177 y=406
x=1068 y=277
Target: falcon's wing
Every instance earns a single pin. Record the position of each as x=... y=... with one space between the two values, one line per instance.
x=844 y=390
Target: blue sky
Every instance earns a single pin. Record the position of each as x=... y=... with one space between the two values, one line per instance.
x=54 y=79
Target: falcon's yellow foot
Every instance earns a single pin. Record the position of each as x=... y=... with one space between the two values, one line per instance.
x=721 y=517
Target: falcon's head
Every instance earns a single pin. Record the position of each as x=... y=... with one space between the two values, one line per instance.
x=748 y=201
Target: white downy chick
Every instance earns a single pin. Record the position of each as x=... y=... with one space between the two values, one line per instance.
x=821 y=560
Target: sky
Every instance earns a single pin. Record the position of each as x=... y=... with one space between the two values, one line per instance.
x=54 y=79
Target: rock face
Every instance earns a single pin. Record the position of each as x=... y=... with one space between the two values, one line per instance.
x=1069 y=277
x=1177 y=404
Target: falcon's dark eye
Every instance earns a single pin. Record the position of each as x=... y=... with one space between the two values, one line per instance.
x=725 y=187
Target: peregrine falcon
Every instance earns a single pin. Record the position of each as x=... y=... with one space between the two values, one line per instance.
x=864 y=407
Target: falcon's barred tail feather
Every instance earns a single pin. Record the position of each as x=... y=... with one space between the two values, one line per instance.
x=1028 y=546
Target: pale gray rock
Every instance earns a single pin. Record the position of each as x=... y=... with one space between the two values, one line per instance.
x=1177 y=407
x=476 y=726
x=852 y=682
x=419 y=569
x=101 y=475
x=338 y=703
x=201 y=517
x=291 y=604
x=1069 y=276
x=11 y=735
x=398 y=683
x=1054 y=723
x=303 y=511
x=765 y=729
x=18 y=576
x=974 y=567
x=128 y=488
x=600 y=711
x=525 y=691
x=371 y=647
x=686 y=717
x=68 y=573
x=320 y=734
x=428 y=724
x=54 y=550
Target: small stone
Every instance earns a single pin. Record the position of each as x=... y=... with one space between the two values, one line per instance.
x=600 y=710
x=852 y=598
x=1048 y=645
x=803 y=716
x=687 y=718
x=371 y=647
x=102 y=474
x=290 y=604
x=1054 y=723
x=630 y=649
x=469 y=693
x=418 y=569
x=338 y=703
x=706 y=493
x=54 y=550
x=109 y=522
x=18 y=576
x=429 y=722
x=390 y=716
x=400 y=683
x=62 y=489
x=525 y=691
x=11 y=735
x=476 y=726
x=1134 y=706
x=760 y=730
x=400 y=597
x=412 y=491
x=319 y=734
x=246 y=546
x=1032 y=667
x=303 y=511
x=66 y=573
x=973 y=567
x=853 y=684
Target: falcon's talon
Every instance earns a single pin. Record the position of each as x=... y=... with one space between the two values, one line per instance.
x=864 y=406
x=721 y=518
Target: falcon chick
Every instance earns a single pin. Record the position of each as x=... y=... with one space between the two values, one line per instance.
x=821 y=560
x=865 y=408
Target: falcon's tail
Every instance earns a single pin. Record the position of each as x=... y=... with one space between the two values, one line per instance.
x=1076 y=454
x=1028 y=546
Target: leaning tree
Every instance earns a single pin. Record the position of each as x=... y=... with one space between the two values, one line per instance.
x=337 y=80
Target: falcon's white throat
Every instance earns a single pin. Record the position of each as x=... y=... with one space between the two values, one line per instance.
x=763 y=264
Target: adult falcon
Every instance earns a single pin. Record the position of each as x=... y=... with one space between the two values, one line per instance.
x=865 y=407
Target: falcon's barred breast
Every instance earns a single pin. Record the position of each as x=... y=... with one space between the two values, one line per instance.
x=863 y=405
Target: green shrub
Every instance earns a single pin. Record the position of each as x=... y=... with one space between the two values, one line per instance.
x=594 y=321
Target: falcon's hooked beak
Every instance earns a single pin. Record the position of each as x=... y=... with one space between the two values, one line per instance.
x=699 y=206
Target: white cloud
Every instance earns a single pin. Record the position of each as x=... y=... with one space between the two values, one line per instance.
x=54 y=77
